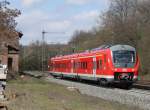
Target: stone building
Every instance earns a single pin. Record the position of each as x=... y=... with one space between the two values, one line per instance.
x=9 y=51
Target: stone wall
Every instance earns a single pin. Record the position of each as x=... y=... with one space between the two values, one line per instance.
x=15 y=63
x=4 y=59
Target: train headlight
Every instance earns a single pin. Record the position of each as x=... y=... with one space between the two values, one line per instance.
x=116 y=69
x=124 y=70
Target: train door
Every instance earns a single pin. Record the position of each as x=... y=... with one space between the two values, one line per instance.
x=105 y=65
x=72 y=66
x=99 y=65
x=75 y=66
x=94 y=66
x=87 y=66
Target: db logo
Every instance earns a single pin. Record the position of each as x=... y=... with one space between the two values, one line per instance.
x=124 y=70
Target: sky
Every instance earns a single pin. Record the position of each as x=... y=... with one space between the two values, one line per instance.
x=60 y=18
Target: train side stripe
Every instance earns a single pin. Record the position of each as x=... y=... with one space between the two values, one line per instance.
x=88 y=75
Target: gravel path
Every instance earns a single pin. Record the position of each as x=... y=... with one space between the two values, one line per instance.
x=133 y=97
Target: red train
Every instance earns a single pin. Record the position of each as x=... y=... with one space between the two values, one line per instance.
x=107 y=64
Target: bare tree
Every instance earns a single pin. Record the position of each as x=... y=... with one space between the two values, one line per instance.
x=121 y=20
x=7 y=22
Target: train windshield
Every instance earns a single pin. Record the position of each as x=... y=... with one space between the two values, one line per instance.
x=124 y=58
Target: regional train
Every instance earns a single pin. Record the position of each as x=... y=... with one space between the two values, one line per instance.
x=107 y=64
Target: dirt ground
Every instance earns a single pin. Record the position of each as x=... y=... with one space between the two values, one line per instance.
x=33 y=94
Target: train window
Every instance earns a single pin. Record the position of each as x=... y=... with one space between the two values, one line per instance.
x=76 y=65
x=99 y=64
x=105 y=60
x=86 y=65
x=83 y=65
x=55 y=65
x=64 y=65
x=80 y=65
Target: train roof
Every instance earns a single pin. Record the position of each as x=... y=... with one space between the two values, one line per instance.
x=94 y=51
x=102 y=47
x=122 y=47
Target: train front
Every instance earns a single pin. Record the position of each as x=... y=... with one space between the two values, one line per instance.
x=125 y=63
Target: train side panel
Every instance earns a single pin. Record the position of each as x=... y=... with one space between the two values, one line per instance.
x=85 y=66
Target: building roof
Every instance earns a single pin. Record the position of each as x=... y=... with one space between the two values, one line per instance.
x=10 y=39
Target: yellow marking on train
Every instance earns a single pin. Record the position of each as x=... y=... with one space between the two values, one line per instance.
x=79 y=57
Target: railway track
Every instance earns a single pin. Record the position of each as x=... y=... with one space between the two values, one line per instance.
x=145 y=85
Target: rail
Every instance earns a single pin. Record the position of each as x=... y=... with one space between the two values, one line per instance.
x=142 y=84
x=36 y=74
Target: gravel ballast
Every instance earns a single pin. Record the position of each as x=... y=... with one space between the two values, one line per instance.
x=133 y=97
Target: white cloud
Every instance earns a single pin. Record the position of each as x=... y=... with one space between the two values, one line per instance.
x=62 y=25
x=33 y=23
x=30 y=2
x=84 y=20
x=78 y=2
x=93 y=14
x=84 y=2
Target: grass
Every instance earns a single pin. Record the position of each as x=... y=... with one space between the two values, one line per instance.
x=34 y=94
